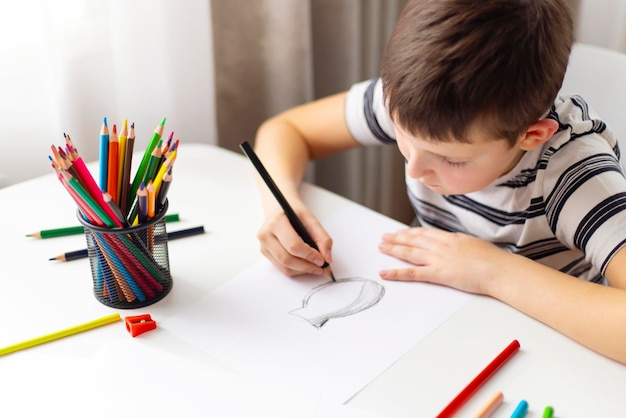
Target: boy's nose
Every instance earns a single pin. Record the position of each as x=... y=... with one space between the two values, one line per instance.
x=418 y=167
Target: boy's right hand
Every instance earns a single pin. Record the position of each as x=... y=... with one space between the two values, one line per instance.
x=282 y=245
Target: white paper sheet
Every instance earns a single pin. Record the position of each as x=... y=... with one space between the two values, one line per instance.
x=248 y=322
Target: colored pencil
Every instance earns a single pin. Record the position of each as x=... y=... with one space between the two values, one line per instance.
x=104 y=155
x=96 y=214
x=109 y=319
x=521 y=410
x=83 y=253
x=296 y=223
x=141 y=170
x=114 y=160
x=548 y=412
x=116 y=210
x=167 y=163
x=86 y=211
x=164 y=188
x=151 y=200
x=165 y=147
x=125 y=199
x=480 y=379
x=79 y=229
x=492 y=404
x=153 y=164
x=142 y=204
x=122 y=139
x=90 y=185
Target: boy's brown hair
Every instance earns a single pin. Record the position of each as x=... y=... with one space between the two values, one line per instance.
x=452 y=63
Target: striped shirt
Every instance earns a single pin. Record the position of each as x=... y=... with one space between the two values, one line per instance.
x=563 y=204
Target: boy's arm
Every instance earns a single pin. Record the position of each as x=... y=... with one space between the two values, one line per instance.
x=285 y=144
x=592 y=314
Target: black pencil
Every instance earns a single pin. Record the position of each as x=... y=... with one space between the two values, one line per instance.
x=78 y=254
x=296 y=223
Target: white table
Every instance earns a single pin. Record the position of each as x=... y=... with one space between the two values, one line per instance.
x=105 y=371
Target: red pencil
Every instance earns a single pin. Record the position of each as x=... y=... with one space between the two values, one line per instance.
x=479 y=380
x=113 y=163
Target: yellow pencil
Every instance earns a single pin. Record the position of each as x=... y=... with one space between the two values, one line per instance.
x=109 y=319
x=121 y=158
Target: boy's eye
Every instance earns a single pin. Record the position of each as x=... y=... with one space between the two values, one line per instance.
x=455 y=164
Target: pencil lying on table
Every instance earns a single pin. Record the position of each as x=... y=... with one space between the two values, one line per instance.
x=79 y=229
x=83 y=253
x=480 y=379
x=109 y=319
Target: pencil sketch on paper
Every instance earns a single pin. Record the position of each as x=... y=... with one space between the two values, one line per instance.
x=339 y=299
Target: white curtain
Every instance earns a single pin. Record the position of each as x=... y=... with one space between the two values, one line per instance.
x=601 y=23
x=66 y=64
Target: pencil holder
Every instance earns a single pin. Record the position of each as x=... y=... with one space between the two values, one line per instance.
x=129 y=266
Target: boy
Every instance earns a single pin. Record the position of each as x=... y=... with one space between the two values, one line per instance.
x=519 y=193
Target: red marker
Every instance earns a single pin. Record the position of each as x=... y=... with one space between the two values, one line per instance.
x=479 y=380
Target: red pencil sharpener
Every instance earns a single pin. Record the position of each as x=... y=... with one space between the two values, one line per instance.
x=138 y=324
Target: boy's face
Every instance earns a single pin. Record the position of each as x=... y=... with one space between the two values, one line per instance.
x=454 y=167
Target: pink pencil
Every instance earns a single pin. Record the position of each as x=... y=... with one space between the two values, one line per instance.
x=93 y=189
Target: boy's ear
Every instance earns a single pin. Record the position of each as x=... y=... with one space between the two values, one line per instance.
x=538 y=133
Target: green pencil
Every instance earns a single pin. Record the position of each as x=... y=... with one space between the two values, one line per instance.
x=79 y=229
x=143 y=165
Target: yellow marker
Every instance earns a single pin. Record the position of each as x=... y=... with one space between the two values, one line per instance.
x=109 y=319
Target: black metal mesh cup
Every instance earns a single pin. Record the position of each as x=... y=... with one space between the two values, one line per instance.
x=129 y=266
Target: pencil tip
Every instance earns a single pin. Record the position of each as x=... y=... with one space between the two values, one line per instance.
x=104 y=121
x=163 y=122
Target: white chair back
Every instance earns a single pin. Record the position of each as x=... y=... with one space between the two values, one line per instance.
x=599 y=76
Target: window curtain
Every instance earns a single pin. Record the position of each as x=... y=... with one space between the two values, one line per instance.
x=67 y=64
x=274 y=54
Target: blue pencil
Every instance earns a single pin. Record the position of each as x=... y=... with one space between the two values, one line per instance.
x=520 y=410
x=104 y=155
x=136 y=290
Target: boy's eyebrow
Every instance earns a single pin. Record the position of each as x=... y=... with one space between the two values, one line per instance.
x=449 y=158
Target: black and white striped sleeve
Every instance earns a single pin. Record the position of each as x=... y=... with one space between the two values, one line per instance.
x=366 y=115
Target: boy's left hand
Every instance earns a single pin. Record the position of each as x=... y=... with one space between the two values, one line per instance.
x=451 y=259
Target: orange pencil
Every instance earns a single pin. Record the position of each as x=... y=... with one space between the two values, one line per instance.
x=151 y=200
x=125 y=200
x=112 y=168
